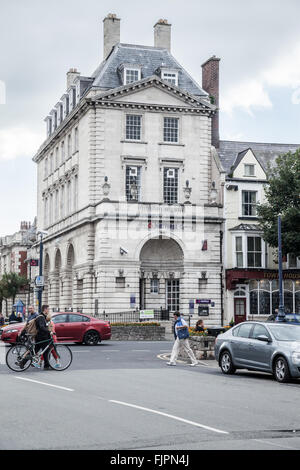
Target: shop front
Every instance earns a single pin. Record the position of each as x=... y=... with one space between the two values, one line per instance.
x=255 y=293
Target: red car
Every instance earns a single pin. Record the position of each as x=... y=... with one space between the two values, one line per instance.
x=69 y=327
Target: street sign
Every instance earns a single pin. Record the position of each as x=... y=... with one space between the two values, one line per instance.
x=146 y=314
x=203 y=301
x=39 y=281
x=34 y=262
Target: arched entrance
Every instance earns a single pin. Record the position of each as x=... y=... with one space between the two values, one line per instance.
x=161 y=265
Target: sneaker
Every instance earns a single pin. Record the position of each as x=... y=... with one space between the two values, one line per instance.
x=193 y=364
x=57 y=365
x=36 y=364
x=171 y=364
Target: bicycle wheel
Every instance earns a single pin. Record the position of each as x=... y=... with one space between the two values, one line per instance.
x=18 y=358
x=60 y=357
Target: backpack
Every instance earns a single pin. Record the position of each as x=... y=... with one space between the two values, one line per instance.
x=31 y=328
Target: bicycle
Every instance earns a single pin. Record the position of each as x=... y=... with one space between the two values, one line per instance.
x=22 y=355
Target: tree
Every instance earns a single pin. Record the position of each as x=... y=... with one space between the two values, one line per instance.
x=282 y=198
x=11 y=284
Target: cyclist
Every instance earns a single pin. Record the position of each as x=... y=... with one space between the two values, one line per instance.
x=43 y=335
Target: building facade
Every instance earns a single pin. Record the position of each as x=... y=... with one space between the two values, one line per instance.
x=251 y=271
x=14 y=251
x=130 y=185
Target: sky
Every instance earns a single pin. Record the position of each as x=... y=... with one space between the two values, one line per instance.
x=258 y=43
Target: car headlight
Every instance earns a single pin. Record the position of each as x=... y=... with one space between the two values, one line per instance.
x=10 y=331
x=296 y=357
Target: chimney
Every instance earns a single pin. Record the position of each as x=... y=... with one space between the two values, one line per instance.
x=71 y=75
x=162 y=34
x=210 y=83
x=111 y=33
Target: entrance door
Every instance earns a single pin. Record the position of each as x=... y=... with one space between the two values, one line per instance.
x=172 y=295
x=239 y=310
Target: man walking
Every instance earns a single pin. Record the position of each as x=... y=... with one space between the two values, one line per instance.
x=181 y=339
x=31 y=313
x=43 y=336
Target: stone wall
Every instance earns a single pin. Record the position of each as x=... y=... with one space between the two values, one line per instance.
x=202 y=346
x=137 y=333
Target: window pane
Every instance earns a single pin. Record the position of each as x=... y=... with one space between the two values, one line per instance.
x=170 y=185
x=132 y=75
x=133 y=183
x=238 y=244
x=133 y=127
x=264 y=303
x=253 y=302
x=244 y=330
x=170 y=130
x=259 y=330
x=75 y=318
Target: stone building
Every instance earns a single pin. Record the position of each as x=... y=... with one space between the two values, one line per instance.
x=14 y=256
x=130 y=185
x=251 y=287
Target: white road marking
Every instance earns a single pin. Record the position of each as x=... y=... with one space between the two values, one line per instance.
x=138 y=350
x=47 y=384
x=193 y=423
x=272 y=444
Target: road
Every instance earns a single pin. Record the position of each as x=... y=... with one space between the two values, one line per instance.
x=122 y=395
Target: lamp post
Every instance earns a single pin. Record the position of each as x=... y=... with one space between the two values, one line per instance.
x=40 y=291
x=281 y=313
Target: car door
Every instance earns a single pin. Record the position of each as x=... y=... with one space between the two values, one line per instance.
x=241 y=344
x=61 y=326
x=260 y=353
x=76 y=326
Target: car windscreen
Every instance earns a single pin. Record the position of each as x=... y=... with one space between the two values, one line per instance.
x=285 y=332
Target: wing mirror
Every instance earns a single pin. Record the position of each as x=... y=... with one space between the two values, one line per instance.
x=264 y=338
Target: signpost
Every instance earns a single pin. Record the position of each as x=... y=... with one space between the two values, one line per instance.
x=146 y=314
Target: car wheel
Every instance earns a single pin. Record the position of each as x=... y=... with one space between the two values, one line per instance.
x=226 y=363
x=91 y=338
x=281 y=370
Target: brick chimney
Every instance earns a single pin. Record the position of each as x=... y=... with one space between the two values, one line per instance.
x=162 y=34
x=210 y=83
x=111 y=33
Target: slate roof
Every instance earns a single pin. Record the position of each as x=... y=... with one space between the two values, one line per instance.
x=231 y=152
x=246 y=227
x=107 y=75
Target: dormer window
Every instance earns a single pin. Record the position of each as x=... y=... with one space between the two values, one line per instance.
x=249 y=169
x=170 y=76
x=131 y=75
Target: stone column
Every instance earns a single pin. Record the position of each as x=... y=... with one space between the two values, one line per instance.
x=87 y=294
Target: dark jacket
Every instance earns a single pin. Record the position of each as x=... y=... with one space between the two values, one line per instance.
x=42 y=329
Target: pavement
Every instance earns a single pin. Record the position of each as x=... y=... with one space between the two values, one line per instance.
x=121 y=395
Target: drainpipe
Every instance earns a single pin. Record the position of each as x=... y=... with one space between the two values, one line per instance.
x=221 y=277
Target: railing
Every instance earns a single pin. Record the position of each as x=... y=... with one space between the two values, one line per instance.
x=134 y=316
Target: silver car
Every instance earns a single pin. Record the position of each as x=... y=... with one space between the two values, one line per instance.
x=262 y=346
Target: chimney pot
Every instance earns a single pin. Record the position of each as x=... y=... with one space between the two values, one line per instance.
x=111 y=33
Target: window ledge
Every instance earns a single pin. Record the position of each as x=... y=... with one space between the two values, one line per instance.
x=174 y=144
x=248 y=217
x=128 y=141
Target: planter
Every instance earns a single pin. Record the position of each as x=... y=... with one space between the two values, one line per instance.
x=202 y=346
x=137 y=333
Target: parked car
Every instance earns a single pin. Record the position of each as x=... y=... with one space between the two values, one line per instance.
x=264 y=346
x=292 y=318
x=69 y=327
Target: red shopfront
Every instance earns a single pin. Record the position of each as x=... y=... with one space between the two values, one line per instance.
x=256 y=292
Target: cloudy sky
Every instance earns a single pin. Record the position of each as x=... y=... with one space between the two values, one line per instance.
x=258 y=43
